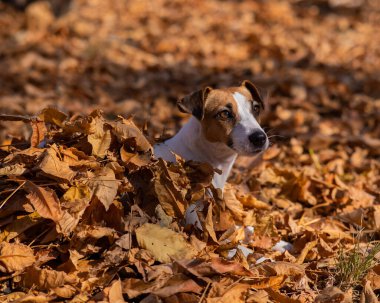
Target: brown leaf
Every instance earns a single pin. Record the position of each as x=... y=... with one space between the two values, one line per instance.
x=124 y=241
x=251 y=202
x=200 y=268
x=209 y=225
x=67 y=223
x=164 y=287
x=104 y=186
x=374 y=277
x=13 y=170
x=170 y=185
x=74 y=203
x=305 y=251
x=45 y=201
x=281 y=268
x=164 y=243
x=66 y=291
x=15 y=257
x=99 y=135
x=135 y=287
x=360 y=197
x=125 y=129
x=368 y=296
x=281 y=298
x=76 y=158
x=115 y=294
x=52 y=115
x=236 y=293
x=333 y=294
x=53 y=167
x=179 y=298
x=176 y=284
x=33 y=299
x=133 y=161
x=259 y=296
x=46 y=279
x=18 y=226
x=95 y=232
x=39 y=132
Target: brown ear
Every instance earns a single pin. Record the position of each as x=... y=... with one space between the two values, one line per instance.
x=254 y=91
x=194 y=103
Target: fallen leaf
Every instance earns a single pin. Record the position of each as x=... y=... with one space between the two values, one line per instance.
x=236 y=293
x=281 y=268
x=163 y=287
x=164 y=243
x=281 y=298
x=52 y=115
x=39 y=133
x=46 y=279
x=333 y=294
x=99 y=135
x=368 y=296
x=115 y=294
x=15 y=257
x=251 y=202
x=125 y=130
x=53 y=167
x=34 y=299
x=45 y=201
x=13 y=170
x=104 y=186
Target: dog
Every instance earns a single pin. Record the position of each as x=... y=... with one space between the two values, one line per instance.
x=224 y=124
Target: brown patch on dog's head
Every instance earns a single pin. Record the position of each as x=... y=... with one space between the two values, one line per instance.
x=194 y=103
x=253 y=91
x=220 y=116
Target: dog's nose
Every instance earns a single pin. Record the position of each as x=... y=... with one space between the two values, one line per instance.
x=258 y=138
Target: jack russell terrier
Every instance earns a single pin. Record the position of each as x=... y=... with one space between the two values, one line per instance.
x=224 y=124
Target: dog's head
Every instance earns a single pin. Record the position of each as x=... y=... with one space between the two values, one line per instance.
x=230 y=116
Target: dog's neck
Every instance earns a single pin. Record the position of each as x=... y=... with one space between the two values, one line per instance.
x=191 y=144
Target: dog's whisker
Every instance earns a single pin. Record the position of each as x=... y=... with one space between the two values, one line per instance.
x=279 y=136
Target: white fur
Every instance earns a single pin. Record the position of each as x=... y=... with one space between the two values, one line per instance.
x=191 y=144
x=247 y=125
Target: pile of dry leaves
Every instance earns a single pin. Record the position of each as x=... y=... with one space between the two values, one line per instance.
x=87 y=214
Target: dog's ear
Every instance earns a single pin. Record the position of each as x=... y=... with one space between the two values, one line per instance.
x=254 y=91
x=194 y=103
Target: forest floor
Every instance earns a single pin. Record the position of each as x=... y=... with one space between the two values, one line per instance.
x=88 y=215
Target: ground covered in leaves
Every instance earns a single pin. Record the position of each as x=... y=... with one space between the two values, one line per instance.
x=87 y=214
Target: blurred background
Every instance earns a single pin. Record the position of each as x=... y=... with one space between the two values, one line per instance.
x=317 y=63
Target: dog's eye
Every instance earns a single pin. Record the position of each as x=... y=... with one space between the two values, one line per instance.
x=225 y=115
x=256 y=109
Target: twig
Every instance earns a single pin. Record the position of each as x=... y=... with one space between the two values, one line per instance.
x=6 y=199
x=41 y=234
x=204 y=292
